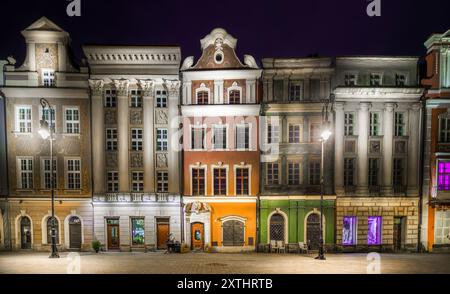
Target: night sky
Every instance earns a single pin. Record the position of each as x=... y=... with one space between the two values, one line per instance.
x=275 y=28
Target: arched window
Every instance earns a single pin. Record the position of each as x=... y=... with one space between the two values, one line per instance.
x=313 y=230
x=49 y=230
x=234 y=96
x=25 y=233
x=202 y=97
x=277 y=227
x=75 y=236
x=233 y=233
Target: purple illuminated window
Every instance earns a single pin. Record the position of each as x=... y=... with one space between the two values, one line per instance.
x=444 y=175
x=349 y=230
x=374 y=230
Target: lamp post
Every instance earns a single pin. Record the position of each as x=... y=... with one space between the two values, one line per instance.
x=325 y=135
x=47 y=130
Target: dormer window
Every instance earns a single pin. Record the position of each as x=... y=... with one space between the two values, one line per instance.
x=375 y=79
x=350 y=80
x=48 y=77
x=400 y=80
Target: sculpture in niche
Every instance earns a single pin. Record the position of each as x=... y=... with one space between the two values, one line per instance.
x=136 y=160
x=161 y=160
x=375 y=146
x=111 y=159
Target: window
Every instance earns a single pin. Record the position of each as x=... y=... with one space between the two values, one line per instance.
x=202 y=97
x=48 y=77
x=293 y=173
x=399 y=124
x=294 y=133
x=161 y=139
x=137 y=181
x=220 y=137
x=112 y=181
x=444 y=175
x=295 y=91
x=25 y=173
x=375 y=79
x=272 y=133
x=45 y=113
x=233 y=233
x=135 y=98
x=349 y=172
x=242 y=177
x=161 y=99
x=398 y=172
x=220 y=181
x=350 y=79
x=73 y=173
x=47 y=174
x=243 y=136
x=349 y=230
x=314 y=133
x=444 y=130
x=110 y=98
x=137 y=231
x=136 y=139
x=374 y=124
x=163 y=181
x=272 y=173
x=400 y=80
x=315 y=89
x=50 y=222
x=442 y=227
x=197 y=137
x=374 y=167
x=349 y=123
x=314 y=172
x=198 y=181
x=234 y=96
x=23 y=119
x=72 y=120
x=277 y=227
x=374 y=230
x=111 y=139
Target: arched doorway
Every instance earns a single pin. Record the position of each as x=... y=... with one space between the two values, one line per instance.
x=197 y=236
x=313 y=231
x=74 y=232
x=25 y=233
x=277 y=227
x=233 y=233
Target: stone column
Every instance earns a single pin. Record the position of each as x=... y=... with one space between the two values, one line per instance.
x=173 y=90
x=270 y=90
x=339 y=148
x=62 y=59
x=147 y=87
x=98 y=136
x=187 y=97
x=388 y=135
x=414 y=119
x=218 y=92
x=250 y=91
x=285 y=89
x=363 y=136
x=283 y=130
x=123 y=134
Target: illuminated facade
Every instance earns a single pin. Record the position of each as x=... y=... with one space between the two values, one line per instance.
x=220 y=109
x=294 y=93
x=436 y=183
x=377 y=153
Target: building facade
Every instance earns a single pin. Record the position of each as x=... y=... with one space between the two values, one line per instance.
x=220 y=109
x=436 y=166
x=4 y=227
x=377 y=153
x=48 y=72
x=135 y=147
x=295 y=90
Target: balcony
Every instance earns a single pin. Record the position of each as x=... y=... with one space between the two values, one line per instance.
x=135 y=197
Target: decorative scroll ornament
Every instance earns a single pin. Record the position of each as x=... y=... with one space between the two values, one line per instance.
x=96 y=87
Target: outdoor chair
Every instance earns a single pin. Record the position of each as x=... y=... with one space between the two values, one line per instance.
x=273 y=246
x=281 y=246
x=302 y=247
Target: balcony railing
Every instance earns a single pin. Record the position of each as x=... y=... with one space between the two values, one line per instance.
x=136 y=197
x=375 y=190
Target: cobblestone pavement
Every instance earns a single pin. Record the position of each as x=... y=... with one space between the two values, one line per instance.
x=218 y=263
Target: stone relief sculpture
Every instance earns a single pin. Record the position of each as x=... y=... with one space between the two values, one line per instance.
x=135 y=117
x=161 y=160
x=110 y=116
x=136 y=159
x=161 y=116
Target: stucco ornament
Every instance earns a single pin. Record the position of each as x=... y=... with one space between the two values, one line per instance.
x=147 y=87
x=96 y=87
x=172 y=86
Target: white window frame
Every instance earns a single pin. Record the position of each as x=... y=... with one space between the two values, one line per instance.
x=442 y=216
x=222 y=126
x=114 y=181
x=44 y=172
x=50 y=79
x=137 y=137
x=111 y=139
x=243 y=125
x=204 y=128
x=235 y=87
x=445 y=131
x=300 y=138
x=47 y=112
x=293 y=83
x=73 y=122
x=139 y=181
x=378 y=123
x=67 y=172
x=161 y=98
x=249 y=167
x=136 y=100
x=205 y=168
x=227 y=170
x=300 y=173
x=203 y=88
x=163 y=141
x=26 y=121
x=380 y=76
x=348 y=79
x=406 y=77
x=348 y=125
x=397 y=126
x=27 y=171
x=273 y=134
x=164 y=182
x=110 y=99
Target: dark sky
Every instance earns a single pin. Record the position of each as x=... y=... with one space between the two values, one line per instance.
x=282 y=28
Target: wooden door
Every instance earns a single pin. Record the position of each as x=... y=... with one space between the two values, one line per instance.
x=74 y=233
x=25 y=233
x=197 y=236
x=162 y=235
x=233 y=232
x=313 y=231
x=113 y=234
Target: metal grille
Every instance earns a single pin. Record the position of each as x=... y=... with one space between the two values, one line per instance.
x=277 y=227
x=233 y=233
x=313 y=231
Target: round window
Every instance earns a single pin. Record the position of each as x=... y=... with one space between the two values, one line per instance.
x=218 y=57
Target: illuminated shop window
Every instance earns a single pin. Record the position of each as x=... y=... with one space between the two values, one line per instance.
x=444 y=175
x=374 y=230
x=442 y=227
x=349 y=230
x=137 y=231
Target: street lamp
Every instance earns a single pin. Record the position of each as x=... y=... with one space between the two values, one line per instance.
x=46 y=131
x=324 y=136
